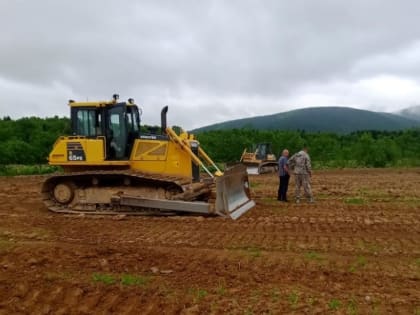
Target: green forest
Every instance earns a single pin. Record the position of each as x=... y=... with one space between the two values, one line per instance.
x=28 y=141
x=357 y=149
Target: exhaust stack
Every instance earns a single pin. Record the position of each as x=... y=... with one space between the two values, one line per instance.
x=163 y=122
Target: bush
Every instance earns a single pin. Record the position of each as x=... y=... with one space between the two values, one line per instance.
x=14 y=170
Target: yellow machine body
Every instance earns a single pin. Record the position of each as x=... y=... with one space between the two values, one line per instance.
x=109 y=164
x=154 y=156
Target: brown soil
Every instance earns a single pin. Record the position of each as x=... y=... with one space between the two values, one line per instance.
x=355 y=251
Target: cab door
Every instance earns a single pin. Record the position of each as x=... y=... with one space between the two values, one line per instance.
x=116 y=126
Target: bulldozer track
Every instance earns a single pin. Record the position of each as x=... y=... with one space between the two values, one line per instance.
x=303 y=234
x=187 y=191
x=267 y=242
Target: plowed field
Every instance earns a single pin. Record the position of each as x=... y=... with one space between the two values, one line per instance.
x=355 y=251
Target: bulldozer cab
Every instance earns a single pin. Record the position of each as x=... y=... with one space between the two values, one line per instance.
x=262 y=150
x=117 y=124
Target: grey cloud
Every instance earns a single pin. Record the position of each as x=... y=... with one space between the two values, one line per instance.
x=215 y=60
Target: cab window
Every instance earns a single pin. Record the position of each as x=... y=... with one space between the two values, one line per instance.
x=86 y=122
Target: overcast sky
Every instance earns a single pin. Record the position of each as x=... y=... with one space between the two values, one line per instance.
x=209 y=61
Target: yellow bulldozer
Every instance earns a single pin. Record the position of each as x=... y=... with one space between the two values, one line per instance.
x=260 y=159
x=111 y=167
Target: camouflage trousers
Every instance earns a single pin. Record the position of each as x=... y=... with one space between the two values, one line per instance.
x=305 y=181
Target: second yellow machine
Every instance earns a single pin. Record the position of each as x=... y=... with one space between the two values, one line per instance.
x=111 y=167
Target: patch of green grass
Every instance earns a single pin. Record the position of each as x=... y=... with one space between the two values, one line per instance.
x=369 y=194
x=320 y=196
x=351 y=307
x=416 y=311
x=313 y=255
x=359 y=263
x=201 y=293
x=275 y=295
x=363 y=190
x=334 y=304
x=293 y=299
x=253 y=252
x=127 y=279
x=15 y=170
x=221 y=290
x=103 y=278
x=124 y=279
x=354 y=201
x=417 y=262
x=270 y=201
x=250 y=251
x=198 y=294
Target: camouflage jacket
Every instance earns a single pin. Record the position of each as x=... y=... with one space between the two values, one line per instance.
x=300 y=163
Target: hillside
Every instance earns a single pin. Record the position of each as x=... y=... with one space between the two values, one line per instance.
x=330 y=119
x=410 y=112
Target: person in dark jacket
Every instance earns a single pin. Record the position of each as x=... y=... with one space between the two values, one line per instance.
x=283 y=176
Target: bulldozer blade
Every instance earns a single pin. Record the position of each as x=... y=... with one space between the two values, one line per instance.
x=268 y=167
x=232 y=193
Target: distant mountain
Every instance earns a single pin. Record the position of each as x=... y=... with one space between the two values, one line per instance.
x=331 y=119
x=410 y=112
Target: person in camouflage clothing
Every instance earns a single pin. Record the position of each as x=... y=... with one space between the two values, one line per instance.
x=300 y=163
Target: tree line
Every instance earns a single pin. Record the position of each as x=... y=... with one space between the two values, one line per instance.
x=29 y=141
x=358 y=149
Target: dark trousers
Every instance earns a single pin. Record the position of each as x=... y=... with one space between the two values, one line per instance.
x=283 y=186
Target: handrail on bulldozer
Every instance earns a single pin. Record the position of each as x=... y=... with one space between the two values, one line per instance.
x=184 y=145
x=204 y=155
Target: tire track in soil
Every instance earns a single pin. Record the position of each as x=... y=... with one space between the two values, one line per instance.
x=386 y=237
x=288 y=273
x=72 y=299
